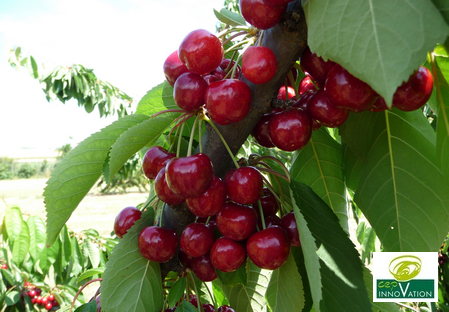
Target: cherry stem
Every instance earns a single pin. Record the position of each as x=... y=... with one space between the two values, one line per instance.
x=208 y=219
x=172 y=144
x=228 y=31
x=234 y=36
x=223 y=140
x=196 y=292
x=180 y=120
x=293 y=83
x=148 y=202
x=81 y=289
x=261 y=158
x=270 y=187
x=236 y=46
x=211 y=296
x=178 y=150
x=230 y=63
x=200 y=134
x=261 y=214
x=192 y=134
x=260 y=38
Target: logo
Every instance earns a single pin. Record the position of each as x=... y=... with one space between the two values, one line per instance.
x=405 y=277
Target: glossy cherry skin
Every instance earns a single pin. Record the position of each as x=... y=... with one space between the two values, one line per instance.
x=207 y=307
x=244 y=185
x=305 y=85
x=201 y=52
x=203 y=268
x=189 y=176
x=189 y=90
x=125 y=220
x=212 y=221
x=415 y=92
x=158 y=244
x=48 y=306
x=227 y=255
x=210 y=202
x=322 y=110
x=236 y=222
x=225 y=308
x=259 y=64
x=269 y=248
x=260 y=131
x=185 y=259
x=224 y=65
x=268 y=202
x=261 y=15
x=290 y=130
x=348 y=92
x=197 y=239
x=227 y=101
x=277 y=2
x=164 y=192
x=282 y=96
x=288 y=223
x=173 y=68
x=315 y=66
x=154 y=160
x=269 y=221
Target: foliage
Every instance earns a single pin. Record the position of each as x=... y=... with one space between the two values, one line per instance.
x=5 y=168
x=73 y=259
x=26 y=171
x=63 y=151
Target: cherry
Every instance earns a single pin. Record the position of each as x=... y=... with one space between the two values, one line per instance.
x=348 y=92
x=415 y=92
x=197 y=239
x=185 y=259
x=173 y=68
x=224 y=65
x=261 y=15
x=38 y=300
x=379 y=105
x=164 y=192
x=305 y=85
x=210 y=202
x=33 y=301
x=225 y=308
x=315 y=66
x=268 y=202
x=125 y=220
x=321 y=109
x=154 y=160
x=227 y=101
x=269 y=221
x=31 y=293
x=288 y=223
x=207 y=307
x=157 y=244
x=4 y=266
x=203 y=268
x=209 y=79
x=227 y=255
x=51 y=297
x=282 y=96
x=277 y=2
x=269 y=248
x=219 y=73
x=244 y=185
x=55 y=303
x=236 y=222
x=44 y=301
x=260 y=132
x=259 y=64
x=189 y=90
x=201 y=52
x=48 y=306
x=193 y=300
x=290 y=130
x=212 y=221
x=189 y=176
x=38 y=291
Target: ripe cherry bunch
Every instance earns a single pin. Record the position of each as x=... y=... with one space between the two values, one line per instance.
x=48 y=302
x=207 y=307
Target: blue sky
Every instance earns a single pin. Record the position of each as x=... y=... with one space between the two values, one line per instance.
x=124 y=41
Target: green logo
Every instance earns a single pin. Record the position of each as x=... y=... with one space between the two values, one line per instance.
x=404 y=268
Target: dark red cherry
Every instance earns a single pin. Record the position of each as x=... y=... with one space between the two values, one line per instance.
x=227 y=101
x=227 y=255
x=260 y=132
x=244 y=185
x=189 y=176
x=323 y=111
x=125 y=220
x=269 y=248
x=189 y=90
x=269 y=222
x=185 y=259
x=277 y=2
x=203 y=268
x=201 y=52
x=225 y=308
x=315 y=66
x=212 y=221
x=207 y=307
x=236 y=222
x=154 y=160
x=415 y=92
x=261 y=15
x=269 y=203
x=173 y=68
x=283 y=96
x=226 y=67
x=197 y=239
x=288 y=223
x=210 y=202
x=164 y=192
x=259 y=64
x=348 y=92
x=305 y=85
x=158 y=244
x=379 y=105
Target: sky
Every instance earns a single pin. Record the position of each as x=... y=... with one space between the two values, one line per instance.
x=125 y=41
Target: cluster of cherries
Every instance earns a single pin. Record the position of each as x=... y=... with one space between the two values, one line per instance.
x=48 y=302
x=207 y=307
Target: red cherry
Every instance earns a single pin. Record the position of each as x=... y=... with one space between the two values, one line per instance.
x=305 y=85
x=225 y=308
x=173 y=68
x=38 y=300
x=244 y=185
x=218 y=73
x=237 y=222
x=259 y=64
x=315 y=66
x=321 y=109
x=31 y=293
x=38 y=291
x=48 y=306
x=269 y=248
x=260 y=131
x=203 y=268
x=189 y=176
x=227 y=255
x=207 y=307
x=282 y=96
x=227 y=101
x=379 y=105
x=33 y=301
x=210 y=202
x=185 y=259
x=197 y=239
x=277 y=2
x=189 y=90
x=44 y=300
x=348 y=92
x=193 y=300
x=201 y=52
x=269 y=221
x=55 y=303
x=268 y=202
x=288 y=223
x=261 y=15
x=212 y=221
x=158 y=244
x=415 y=92
x=125 y=220
x=164 y=192
x=51 y=297
x=211 y=78
x=224 y=65
x=4 y=266
x=154 y=160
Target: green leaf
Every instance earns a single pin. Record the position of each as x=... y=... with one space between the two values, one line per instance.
x=285 y=291
x=377 y=306
x=88 y=307
x=320 y=165
x=21 y=245
x=77 y=173
x=443 y=7
x=230 y=18
x=298 y=254
x=12 y=298
x=38 y=236
x=368 y=244
x=176 y=291
x=237 y=277
x=66 y=247
x=186 y=306
x=132 y=140
x=76 y=260
x=90 y=273
x=13 y=222
x=401 y=191
x=157 y=99
x=94 y=255
x=380 y=42
x=340 y=269
x=130 y=282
